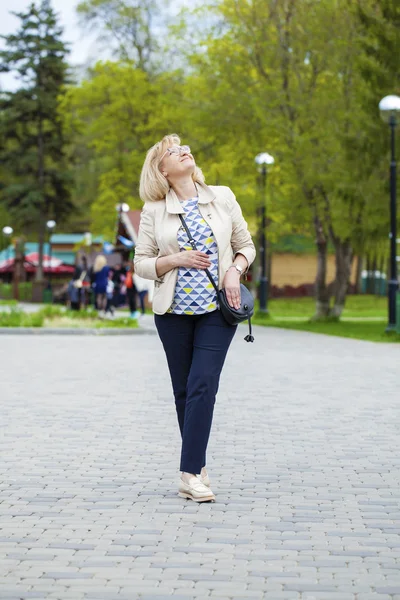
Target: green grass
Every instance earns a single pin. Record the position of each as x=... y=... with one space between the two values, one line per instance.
x=8 y=302
x=57 y=316
x=356 y=306
x=361 y=330
x=295 y=313
x=17 y=318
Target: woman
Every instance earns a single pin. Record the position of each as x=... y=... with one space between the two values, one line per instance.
x=193 y=331
x=101 y=270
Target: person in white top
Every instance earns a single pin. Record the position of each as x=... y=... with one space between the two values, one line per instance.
x=145 y=287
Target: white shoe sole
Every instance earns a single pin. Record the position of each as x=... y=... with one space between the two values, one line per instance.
x=210 y=498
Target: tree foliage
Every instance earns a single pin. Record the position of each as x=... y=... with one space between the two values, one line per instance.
x=287 y=77
x=129 y=25
x=114 y=117
x=37 y=180
x=300 y=79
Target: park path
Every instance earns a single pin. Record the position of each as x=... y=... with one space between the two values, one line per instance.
x=303 y=457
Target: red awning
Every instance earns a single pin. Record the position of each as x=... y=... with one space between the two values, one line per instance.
x=31 y=262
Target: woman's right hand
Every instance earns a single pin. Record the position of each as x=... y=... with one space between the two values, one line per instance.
x=193 y=259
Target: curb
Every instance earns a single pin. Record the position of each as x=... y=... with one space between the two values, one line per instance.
x=75 y=331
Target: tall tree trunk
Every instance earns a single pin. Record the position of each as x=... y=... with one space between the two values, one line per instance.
x=343 y=258
x=374 y=268
x=369 y=275
x=322 y=295
x=359 y=268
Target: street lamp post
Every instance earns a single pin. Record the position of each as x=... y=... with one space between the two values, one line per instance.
x=50 y=226
x=8 y=231
x=389 y=108
x=263 y=160
x=123 y=207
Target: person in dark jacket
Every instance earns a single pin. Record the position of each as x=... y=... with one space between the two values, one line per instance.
x=101 y=270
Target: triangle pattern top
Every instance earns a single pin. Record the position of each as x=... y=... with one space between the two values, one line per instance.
x=194 y=295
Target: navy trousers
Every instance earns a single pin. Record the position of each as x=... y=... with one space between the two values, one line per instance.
x=196 y=347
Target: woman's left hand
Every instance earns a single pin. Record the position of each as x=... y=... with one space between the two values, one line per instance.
x=232 y=288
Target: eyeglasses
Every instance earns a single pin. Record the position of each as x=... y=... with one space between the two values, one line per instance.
x=178 y=150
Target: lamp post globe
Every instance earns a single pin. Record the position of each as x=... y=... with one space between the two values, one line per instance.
x=51 y=224
x=7 y=230
x=123 y=207
x=263 y=160
x=389 y=108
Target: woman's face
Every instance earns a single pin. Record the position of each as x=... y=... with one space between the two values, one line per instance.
x=177 y=161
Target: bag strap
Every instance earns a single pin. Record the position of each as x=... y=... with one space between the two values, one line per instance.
x=249 y=337
x=193 y=244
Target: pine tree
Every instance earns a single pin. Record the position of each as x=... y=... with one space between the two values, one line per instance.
x=33 y=149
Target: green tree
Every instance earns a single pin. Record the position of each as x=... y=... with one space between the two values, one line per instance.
x=113 y=118
x=33 y=148
x=284 y=77
x=380 y=71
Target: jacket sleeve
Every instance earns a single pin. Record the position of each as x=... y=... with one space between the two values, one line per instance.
x=146 y=251
x=241 y=239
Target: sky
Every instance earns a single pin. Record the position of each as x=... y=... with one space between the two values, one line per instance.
x=84 y=49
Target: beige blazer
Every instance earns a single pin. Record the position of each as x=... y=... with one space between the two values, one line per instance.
x=158 y=231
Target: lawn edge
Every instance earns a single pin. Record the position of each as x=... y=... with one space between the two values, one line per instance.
x=76 y=331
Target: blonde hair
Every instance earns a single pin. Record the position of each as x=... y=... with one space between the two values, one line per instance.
x=99 y=262
x=153 y=185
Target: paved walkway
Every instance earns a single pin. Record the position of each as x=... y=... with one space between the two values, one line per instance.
x=304 y=460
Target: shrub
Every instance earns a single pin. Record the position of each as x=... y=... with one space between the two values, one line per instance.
x=6 y=291
x=25 y=291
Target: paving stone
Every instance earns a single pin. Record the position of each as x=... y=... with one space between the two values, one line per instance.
x=327 y=596
x=302 y=586
x=374 y=596
x=307 y=503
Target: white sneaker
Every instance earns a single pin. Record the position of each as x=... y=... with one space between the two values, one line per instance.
x=195 y=490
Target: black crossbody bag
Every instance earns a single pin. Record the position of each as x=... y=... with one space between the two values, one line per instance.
x=231 y=315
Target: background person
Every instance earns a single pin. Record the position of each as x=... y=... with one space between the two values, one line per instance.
x=143 y=287
x=74 y=295
x=101 y=270
x=109 y=294
x=118 y=273
x=131 y=292
x=193 y=331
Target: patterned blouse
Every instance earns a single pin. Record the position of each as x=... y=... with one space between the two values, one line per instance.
x=194 y=293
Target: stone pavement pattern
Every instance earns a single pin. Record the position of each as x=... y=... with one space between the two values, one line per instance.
x=303 y=457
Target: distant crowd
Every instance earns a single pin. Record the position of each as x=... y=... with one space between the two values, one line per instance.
x=108 y=288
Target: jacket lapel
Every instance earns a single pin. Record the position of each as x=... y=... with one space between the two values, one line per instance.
x=174 y=206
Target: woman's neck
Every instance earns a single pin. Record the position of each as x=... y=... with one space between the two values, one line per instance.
x=184 y=189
